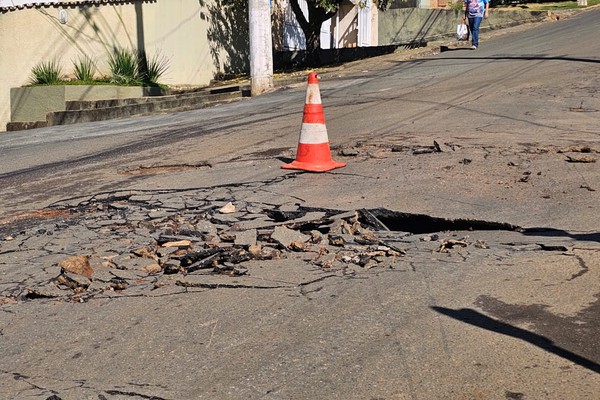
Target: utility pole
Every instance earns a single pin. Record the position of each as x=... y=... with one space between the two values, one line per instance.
x=261 y=46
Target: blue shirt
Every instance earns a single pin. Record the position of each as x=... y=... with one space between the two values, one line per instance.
x=476 y=8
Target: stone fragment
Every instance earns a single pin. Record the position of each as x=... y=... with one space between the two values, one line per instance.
x=180 y=243
x=228 y=208
x=158 y=214
x=298 y=246
x=77 y=265
x=153 y=269
x=286 y=236
x=124 y=274
x=341 y=240
x=50 y=290
x=227 y=236
x=246 y=238
x=73 y=281
x=264 y=253
x=146 y=252
x=316 y=237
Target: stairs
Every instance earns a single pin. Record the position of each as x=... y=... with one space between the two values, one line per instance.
x=101 y=110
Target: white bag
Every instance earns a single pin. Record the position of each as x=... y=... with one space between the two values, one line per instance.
x=462 y=32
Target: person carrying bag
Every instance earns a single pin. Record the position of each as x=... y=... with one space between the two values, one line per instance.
x=475 y=12
x=462 y=31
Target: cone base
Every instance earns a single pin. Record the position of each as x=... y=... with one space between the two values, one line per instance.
x=314 y=167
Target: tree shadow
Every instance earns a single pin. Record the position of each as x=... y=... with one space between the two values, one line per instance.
x=228 y=36
x=480 y=320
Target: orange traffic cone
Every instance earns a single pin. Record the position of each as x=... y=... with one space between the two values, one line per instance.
x=313 y=153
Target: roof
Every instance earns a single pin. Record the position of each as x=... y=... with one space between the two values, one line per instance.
x=13 y=5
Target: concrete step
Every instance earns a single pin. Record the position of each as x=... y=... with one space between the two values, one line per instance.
x=101 y=110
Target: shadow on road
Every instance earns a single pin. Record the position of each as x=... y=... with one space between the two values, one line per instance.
x=524 y=58
x=483 y=321
x=550 y=232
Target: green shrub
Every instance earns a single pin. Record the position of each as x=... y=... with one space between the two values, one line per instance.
x=123 y=66
x=46 y=72
x=85 y=69
x=152 y=69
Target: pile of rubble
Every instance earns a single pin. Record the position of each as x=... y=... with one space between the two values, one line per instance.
x=138 y=242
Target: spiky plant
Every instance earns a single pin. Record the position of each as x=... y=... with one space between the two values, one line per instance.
x=123 y=64
x=151 y=69
x=85 y=69
x=46 y=72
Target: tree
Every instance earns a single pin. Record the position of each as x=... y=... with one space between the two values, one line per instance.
x=319 y=11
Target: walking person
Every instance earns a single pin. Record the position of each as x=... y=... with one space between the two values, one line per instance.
x=475 y=12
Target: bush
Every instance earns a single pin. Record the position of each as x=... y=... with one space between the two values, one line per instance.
x=123 y=66
x=85 y=69
x=152 y=69
x=46 y=73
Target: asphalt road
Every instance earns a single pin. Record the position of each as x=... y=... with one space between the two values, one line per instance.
x=514 y=319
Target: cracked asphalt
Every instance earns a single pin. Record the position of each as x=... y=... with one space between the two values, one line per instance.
x=170 y=257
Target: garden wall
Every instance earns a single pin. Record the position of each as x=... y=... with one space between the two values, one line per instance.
x=201 y=38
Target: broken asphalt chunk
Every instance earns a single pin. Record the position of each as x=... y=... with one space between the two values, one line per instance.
x=285 y=236
x=79 y=265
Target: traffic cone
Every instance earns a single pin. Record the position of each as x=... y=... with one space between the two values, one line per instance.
x=313 y=152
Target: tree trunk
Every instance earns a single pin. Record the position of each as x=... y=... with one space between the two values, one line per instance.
x=312 y=28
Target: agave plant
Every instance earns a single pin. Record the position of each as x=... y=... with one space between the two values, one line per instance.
x=85 y=69
x=123 y=66
x=150 y=70
x=46 y=72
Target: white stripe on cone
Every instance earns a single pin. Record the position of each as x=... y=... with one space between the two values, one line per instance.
x=313 y=95
x=313 y=134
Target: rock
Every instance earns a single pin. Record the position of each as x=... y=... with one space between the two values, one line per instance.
x=153 y=269
x=349 y=152
x=246 y=238
x=286 y=236
x=298 y=246
x=73 y=281
x=50 y=290
x=180 y=243
x=264 y=253
x=146 y=252
x=79 y=265
x=228 y=208
x=227 y=236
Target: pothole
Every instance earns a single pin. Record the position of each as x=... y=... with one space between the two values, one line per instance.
x=383 y=219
